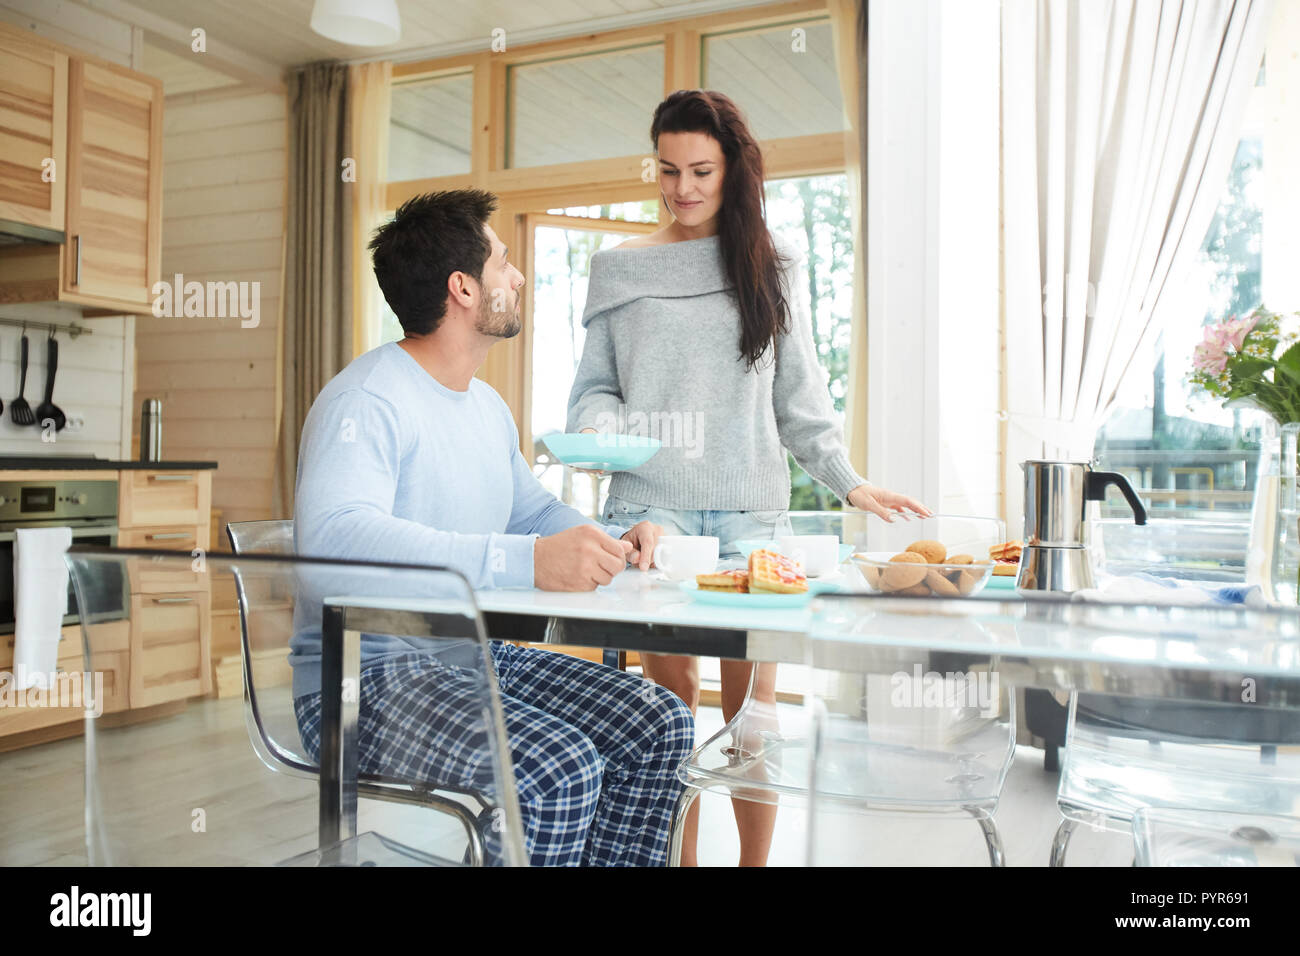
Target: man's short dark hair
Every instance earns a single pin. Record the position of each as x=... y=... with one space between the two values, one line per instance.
x=431 y=237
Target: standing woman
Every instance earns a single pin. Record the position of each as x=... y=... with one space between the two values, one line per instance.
x=703 y=325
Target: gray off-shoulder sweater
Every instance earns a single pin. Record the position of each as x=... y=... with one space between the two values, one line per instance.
x=662 y=358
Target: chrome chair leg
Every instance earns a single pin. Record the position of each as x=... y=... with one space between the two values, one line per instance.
x=474 y=831
x=684 y=804
x=432 y=800
x=992 y=839
x=468 y=820
x=1061 y=841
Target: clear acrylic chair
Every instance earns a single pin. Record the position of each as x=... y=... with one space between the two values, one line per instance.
x=927 y=743
x=1126 y=754
x=762 y=752
x=1163 y=837
x=276 y=537
x=929 y=739
x=183 y=791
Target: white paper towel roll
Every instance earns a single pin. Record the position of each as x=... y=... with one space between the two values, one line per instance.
x=40 y=602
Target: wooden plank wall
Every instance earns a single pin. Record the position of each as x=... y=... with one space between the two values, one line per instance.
x=73 y=25
x=223 y=221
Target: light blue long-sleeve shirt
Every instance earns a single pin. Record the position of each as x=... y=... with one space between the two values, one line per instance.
x=396 y=467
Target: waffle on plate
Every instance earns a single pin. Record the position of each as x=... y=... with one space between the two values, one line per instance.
x=736 y=581
x=774 y=573
x=1009 y=552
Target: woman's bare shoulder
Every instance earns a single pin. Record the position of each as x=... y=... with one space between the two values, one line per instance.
x=656 y=238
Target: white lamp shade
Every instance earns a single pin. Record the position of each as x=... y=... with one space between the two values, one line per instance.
x=358 y=22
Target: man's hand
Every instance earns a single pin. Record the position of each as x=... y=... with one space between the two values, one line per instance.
x=644 y=536
x=885 y=503
x=580 y=559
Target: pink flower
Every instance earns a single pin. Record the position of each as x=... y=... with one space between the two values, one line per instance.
x=1234 y=331
x=1211 y=355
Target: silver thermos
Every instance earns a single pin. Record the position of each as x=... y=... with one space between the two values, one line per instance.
x=1055 y=556
x=151 y=430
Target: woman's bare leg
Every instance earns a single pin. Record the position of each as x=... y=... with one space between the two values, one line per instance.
x=755 y=821
x=681 y=675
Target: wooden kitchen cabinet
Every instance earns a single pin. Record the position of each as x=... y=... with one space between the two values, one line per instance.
x=111 y=660
x=167 y=510
x=171 y=608
x=160 y=651
x=171 y=499
x=114 y=215
x=108 y=121
x=171 y=641
x=33 y=133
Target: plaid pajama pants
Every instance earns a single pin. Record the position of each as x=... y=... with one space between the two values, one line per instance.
x=595 y=751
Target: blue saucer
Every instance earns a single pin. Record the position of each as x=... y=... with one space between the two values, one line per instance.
x=601 y=452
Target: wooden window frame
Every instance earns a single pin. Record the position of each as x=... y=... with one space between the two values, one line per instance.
x=527 y=192
x=528 y=224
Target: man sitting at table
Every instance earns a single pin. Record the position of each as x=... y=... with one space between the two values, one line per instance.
x=407 y=457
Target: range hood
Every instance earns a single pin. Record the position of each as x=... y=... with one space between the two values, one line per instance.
x=13 y=233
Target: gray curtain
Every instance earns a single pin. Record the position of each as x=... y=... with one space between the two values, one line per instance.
x=317 y=325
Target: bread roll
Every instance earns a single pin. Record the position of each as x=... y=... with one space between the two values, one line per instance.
x=933 y=551
x=906 y=574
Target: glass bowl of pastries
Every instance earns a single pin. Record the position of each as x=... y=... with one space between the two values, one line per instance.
x=924 y=568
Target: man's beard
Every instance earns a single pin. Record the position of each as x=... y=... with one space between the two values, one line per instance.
x=502 y=325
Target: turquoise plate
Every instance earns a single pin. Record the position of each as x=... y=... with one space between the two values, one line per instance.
x=746 y=545
x=735 y=599
x=601 y=452
x=1001 y=583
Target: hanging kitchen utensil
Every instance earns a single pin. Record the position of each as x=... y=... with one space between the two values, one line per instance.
x=47 y=410
x=19 y=411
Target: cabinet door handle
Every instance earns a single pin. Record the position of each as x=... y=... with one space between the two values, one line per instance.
x=173 y=600
x=76 y=270
x=169 y=536
x=171 y=477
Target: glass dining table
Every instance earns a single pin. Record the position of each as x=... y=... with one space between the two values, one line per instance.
x=1210 y=654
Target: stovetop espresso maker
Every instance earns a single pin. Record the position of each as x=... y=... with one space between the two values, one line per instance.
x=1057 y=493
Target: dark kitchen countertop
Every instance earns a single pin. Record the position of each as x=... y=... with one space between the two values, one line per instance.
x=67 y=463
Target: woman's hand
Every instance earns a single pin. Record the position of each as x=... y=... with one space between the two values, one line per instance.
x=884 y=503
x=643 y=537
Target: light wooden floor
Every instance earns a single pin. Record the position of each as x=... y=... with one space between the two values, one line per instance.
x=161 y=780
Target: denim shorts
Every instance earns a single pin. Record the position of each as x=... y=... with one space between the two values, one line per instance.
x=727 y=526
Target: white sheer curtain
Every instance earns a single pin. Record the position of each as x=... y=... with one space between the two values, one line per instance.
x=1120 y=119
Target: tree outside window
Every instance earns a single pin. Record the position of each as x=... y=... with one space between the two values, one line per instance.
x=815 y=214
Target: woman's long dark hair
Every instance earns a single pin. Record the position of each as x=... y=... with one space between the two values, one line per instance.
x=748 y=253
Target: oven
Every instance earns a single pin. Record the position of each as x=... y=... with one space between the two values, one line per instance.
x=88 y=507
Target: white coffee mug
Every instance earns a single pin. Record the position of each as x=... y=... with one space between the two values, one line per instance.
x=682 y=556
x=818 y=553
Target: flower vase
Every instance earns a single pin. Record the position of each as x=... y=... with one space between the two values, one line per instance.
x=1263 y=512
x=1285 y=571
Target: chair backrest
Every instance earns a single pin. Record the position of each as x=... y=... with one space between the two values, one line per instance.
x=261 y=537
x=282 y=602
x=934 y=738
